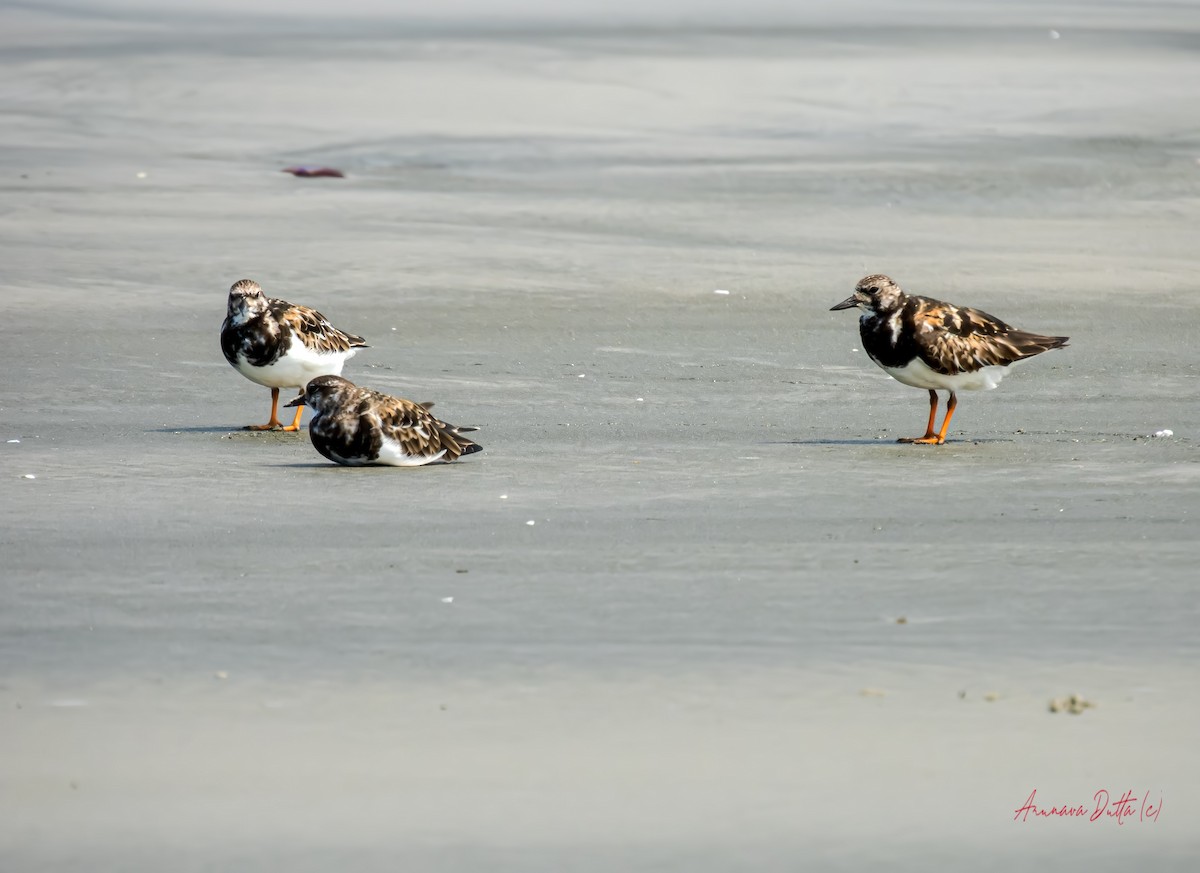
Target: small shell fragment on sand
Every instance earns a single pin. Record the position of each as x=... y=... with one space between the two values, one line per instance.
x=14 y=441
x=1163 y=433
x=221 y=674
x=1075 y=704
x=531 y=522
x=872 y=692
x=720 y=291
x=314 y=172
x=992 y=696
x=447 y=600
x=30 y=476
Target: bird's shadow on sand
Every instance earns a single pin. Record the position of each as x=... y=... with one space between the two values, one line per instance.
x=823 y=442
x=367 y=468
x=874 y=442
x=236 y=429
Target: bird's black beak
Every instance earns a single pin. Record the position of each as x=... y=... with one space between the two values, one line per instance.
x=299 y=401
x=849 y=303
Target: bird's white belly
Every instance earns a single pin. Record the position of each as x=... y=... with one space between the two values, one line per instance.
x=918 y=374
x=393 y=454
x=296 y=368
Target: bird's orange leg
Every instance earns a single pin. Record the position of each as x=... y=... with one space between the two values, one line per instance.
x=930 y=436
x=295 y=425
x=274 y=423
x=953 y=402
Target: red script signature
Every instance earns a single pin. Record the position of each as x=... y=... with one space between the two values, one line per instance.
x=1102 y=807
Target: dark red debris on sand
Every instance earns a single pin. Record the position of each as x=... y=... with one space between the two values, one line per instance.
x=311 y=172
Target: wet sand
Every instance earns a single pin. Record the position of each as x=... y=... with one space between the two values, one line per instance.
x=746 y=629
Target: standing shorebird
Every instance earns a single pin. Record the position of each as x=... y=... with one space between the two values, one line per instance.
x=358 y=427
x=281 y=345
x=929 y=344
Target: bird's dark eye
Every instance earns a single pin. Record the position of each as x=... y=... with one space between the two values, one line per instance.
x=872 y=290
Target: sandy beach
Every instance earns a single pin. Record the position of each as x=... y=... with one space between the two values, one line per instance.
x=692 y=609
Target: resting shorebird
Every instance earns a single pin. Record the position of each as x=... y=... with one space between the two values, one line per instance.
x=281 y=345
x=357 y=427
x=929 y=344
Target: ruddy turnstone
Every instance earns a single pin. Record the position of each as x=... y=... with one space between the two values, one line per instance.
x=929 y=344
x=357 y=426
x=281 y=345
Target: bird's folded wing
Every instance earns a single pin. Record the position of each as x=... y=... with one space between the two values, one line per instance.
x=955 y=339
x=410 y=425
x=314 y=329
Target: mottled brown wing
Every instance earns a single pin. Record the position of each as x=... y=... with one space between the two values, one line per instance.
x=957 y=339
x=313 y=328
x=416 y=430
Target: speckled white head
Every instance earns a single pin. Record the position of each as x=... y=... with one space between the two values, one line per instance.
x=246 y=301
x=875 y=293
